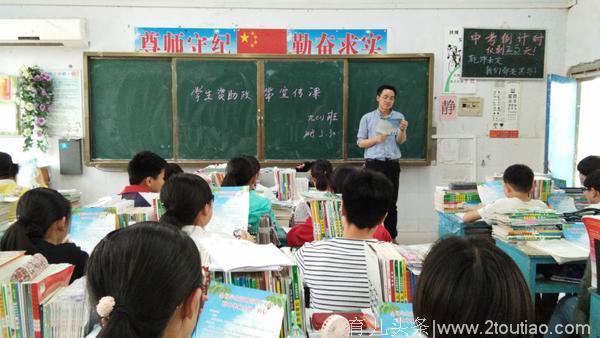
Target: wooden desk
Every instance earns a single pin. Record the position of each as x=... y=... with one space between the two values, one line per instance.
x=453 y=225
x=527 y=259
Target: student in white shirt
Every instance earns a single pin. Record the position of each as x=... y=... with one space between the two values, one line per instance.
x=335 y=270
x=518 y=182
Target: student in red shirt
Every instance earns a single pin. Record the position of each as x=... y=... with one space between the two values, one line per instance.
x=146 y=174
x=326 y=180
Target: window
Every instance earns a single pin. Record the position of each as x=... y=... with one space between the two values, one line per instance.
x=588 y=126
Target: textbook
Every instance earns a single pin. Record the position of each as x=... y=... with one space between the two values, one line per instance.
x=397 y=320
x=68 y=302
x=232 y=311
x=90 y=225
x=562 y=250
x=388 y=274
x=240 y=255
x=230 y=211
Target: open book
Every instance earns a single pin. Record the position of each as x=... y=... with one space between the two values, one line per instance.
x=562 y=250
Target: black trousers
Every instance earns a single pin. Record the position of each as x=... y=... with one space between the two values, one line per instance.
x=391 y=170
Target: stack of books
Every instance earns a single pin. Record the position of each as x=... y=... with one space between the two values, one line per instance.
x=326 y=213
x=67 y=302
x=284 y=212
x=542 y=188
x=286 y=184
x=26 y=284
x=526 y=225
x=388 y=273
x=73 y=196
x=453 y=201
x=414 y=255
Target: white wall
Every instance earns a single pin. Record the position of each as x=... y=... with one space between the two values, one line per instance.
x=583 y=33
x=409 y=31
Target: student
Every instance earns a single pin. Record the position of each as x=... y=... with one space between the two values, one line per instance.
x=303 y=233
x=518 y=182
x=320 y=174
x=576 y=309
x=335 y=270
x=240 y=172
x=8 y=182
x=43 y=217
x=471 y=281
x=172 y=169
x=146 y=174
x=144 y=281
x=188 y=201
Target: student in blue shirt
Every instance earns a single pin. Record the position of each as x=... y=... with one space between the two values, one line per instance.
x=381 y=147
x=241 y=171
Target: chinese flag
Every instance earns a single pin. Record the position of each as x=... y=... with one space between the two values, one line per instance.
x=261 y=41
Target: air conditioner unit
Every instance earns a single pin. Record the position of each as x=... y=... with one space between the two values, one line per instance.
x=43 y=32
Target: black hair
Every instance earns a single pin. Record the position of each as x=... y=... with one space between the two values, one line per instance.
x=37 y=210
x=384 y=87
x=172 y=169
x=468 y=281
x=184 y=196
x=145 y=164
x=239 y=172
x=588 y=164
x=519 y=176
x=253 y=162
x=8 y=169
x=149 y=269
x=366 y=196
x=321 y=171
x=338 y=177
x=592 y=180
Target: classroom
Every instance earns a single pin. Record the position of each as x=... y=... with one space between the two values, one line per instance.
x=125 y=80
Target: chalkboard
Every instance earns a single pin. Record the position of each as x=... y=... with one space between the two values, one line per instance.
x=216 y=108
x=411 y=78
x=126 y=121
x=303 y=109
x=284 y=109
x=503 y=53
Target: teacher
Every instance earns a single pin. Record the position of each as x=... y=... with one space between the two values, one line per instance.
x=380 y=132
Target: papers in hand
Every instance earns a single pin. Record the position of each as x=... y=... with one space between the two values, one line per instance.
x=388 y=126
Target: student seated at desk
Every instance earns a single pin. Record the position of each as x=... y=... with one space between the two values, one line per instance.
x=518 y=182
x=335 y=270
x=172 y=169
x=146 y=174
x=471 y=281
x=8 y=182
x=43 y=217
x=240 y=172
x=576 y=309
x=303 y=233
x=145 y=281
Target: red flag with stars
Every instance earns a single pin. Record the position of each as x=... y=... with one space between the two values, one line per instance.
x=261 y=41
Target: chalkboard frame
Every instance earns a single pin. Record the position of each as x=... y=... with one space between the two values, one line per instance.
x=260 y=59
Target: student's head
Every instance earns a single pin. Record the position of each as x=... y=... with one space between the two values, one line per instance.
x=587 y=165
x=42 y=214
x=386 y=94
x=153 y=273
x=518 y=178
x=172 y=169
x=592 y=186
x=320 y=174
x=338 y=177
x=366 y=197
x=148 y=169
x=239 y=172
x=255 y=167
x=471 y=281
x=187 y=199
x=8 y=169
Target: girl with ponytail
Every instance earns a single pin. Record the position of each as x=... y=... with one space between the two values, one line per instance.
x=43 y=218
x=320 y=174
x=143 y=284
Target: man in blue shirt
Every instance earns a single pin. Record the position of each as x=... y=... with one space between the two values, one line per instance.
x=380 y=132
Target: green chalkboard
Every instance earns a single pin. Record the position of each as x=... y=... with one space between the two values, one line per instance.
x=411 y=79
x=303 y=109
x=216 y=108
x=503 y=53
x=131 y=104
x=284 y=109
